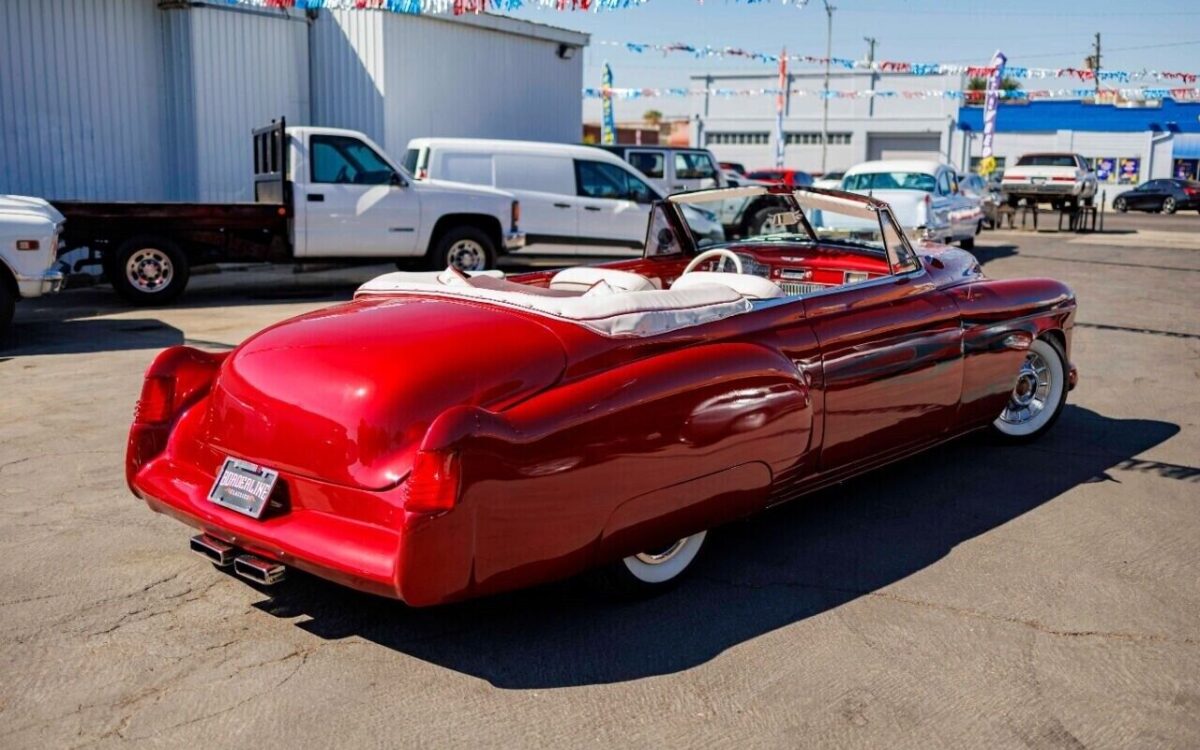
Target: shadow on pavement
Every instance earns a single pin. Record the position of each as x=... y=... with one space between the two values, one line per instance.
x=89 y=335
x=987 y=253
x=772 y=570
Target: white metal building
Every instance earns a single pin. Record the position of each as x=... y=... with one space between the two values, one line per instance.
x=155 y=99
x=742 y=128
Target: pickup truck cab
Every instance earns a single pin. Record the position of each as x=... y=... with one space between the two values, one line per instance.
x=320 y=193
x=29 y=231
x=1060 y=179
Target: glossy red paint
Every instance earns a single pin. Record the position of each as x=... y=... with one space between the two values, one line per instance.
x=571 y=449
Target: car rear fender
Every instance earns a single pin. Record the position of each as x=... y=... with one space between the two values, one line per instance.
x=623 y=460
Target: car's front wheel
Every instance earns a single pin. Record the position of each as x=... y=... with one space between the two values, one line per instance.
x=1038 y=396
x=652 y=571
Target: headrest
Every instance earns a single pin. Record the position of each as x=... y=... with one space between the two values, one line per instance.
x=582 y=278
x=750 y=287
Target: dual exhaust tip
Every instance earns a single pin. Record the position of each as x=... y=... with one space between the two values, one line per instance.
x=251 y=567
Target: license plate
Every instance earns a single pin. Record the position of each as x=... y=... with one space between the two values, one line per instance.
x=1037 y=180
x=243 y=487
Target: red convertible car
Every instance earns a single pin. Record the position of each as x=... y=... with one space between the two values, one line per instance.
x=444 y=436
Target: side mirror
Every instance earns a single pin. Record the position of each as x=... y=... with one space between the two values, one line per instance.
x=397 y=181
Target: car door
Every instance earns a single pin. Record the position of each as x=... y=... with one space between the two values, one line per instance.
x=545 y=186
x=653 y=164
x=354 y=203
x=942 y=204
x=891 y=361
x=615 y=206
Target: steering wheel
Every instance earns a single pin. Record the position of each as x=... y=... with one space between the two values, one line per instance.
x=714 y=253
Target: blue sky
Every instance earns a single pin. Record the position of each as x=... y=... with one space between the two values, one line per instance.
x=1163 y=35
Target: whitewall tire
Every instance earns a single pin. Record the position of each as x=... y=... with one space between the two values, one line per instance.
x=1038 y=395
x=650 y=572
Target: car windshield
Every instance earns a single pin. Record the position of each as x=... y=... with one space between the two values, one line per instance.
x=867 y=181
x=1047 y=160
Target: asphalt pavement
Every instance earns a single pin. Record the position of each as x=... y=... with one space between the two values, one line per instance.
x=975 y=596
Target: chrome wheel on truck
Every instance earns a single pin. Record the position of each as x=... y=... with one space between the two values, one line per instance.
x=148 y=270
x=1038 y=394
x=466 y=248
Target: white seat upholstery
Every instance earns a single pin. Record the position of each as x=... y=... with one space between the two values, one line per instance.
x=641 y=313
x=751 y=287
x=582 y=278
x=445 y=277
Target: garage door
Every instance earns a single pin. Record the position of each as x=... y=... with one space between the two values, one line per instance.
x=904 y=146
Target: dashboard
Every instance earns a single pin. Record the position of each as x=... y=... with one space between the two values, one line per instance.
x=803 y=270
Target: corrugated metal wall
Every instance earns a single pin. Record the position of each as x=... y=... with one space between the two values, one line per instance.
x=137 y=100
x=80 y=105
x=374 y=72
x=247 y=68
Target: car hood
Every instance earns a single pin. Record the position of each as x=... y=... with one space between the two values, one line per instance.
x=346 y=394
x=26 y=207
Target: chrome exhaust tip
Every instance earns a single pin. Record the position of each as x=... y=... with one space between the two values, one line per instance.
x=254 y=568
x=214 y=550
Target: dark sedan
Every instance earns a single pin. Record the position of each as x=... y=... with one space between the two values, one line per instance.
x=1167 y=196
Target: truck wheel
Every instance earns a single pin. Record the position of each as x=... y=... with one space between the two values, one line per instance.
x=8 y=303
x=465 y=248
x=148 y=271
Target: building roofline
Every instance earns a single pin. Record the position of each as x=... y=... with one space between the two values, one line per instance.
x=518 y=27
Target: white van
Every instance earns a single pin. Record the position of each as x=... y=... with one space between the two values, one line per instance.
x=575 y=200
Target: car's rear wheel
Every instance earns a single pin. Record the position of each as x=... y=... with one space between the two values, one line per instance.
x=1169 y=205
x=1038 y=396
x=1120 y=205
x=465 y=248
x=967 y=244
x=653 y=571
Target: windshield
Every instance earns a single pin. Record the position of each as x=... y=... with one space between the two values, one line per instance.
x=1047 y=160
x=867 y=181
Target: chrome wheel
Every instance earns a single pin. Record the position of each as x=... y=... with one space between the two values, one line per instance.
x=467 y=255
x=149 y=270
x=660 y=566
x=1169 y=206
x=1038 y=394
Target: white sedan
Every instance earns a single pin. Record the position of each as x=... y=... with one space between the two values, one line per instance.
x=924 y=197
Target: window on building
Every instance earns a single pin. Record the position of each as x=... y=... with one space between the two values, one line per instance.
x=814 y=139
x=737 y=139
x=342 y=160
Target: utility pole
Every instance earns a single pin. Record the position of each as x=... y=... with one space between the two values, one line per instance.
x=1096 y=65
x=871 y=41
x=825 y=110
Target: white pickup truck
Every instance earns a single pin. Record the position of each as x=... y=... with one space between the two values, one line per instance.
x=1062 y=180
x=29 y=230
x=320 y=193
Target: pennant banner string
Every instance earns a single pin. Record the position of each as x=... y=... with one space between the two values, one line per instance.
x=1133 y=94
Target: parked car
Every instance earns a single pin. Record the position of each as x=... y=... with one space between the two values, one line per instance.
x=924 y=197
x=29 y=232
x=575 y=200
x=829 y=180
x=1166 y=195
x=320 y=193
x=788 y=177
x=1063 y=180
x=444 y=436
x=673 y=170
x=987 y=192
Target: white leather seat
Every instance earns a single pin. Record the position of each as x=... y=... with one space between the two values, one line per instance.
x=750 y=287
x=582 y=278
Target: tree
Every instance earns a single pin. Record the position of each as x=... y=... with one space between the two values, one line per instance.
x=652 y=117
x=977 y=88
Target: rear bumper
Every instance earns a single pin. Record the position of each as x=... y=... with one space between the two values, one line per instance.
x=369 y=557
x=1047 y=189
x=514 y=240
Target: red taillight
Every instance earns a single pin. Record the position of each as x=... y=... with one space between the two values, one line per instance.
x=154 y=406
x=1062 y=179
x=1192 y=190
x=433 y=484
x=422 y=173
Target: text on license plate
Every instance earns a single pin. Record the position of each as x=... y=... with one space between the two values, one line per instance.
x=243 y=487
